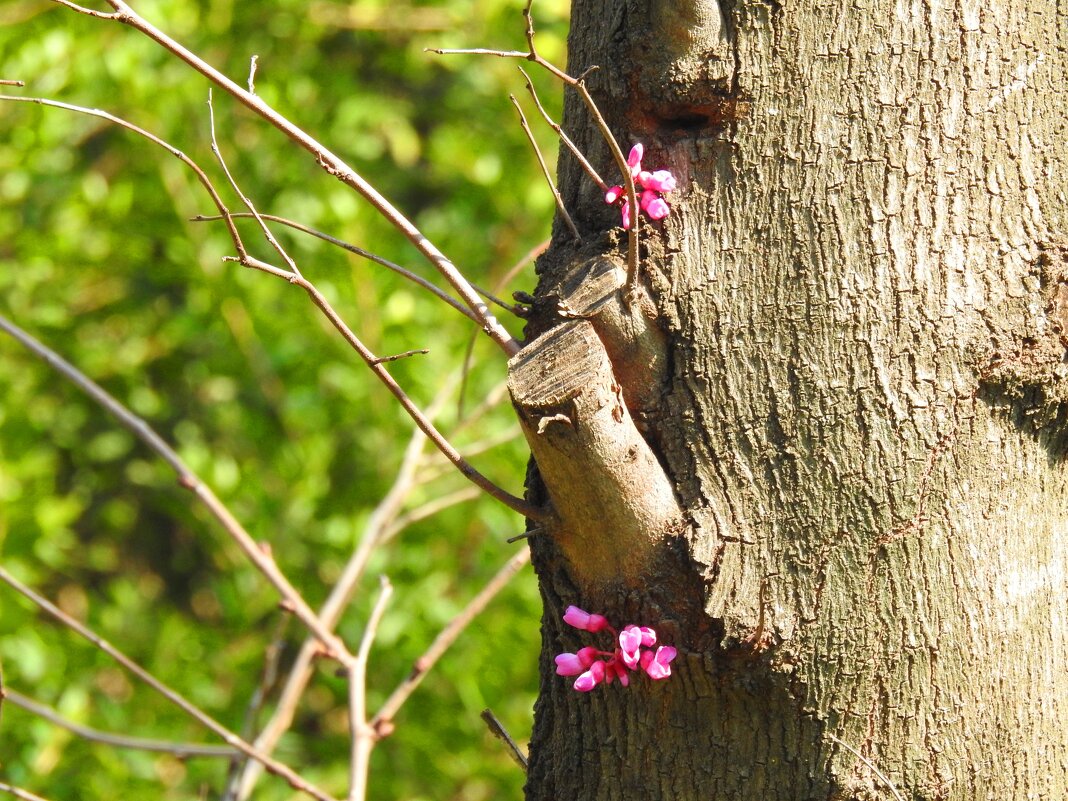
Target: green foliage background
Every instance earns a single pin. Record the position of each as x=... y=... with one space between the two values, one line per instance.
x=259 y=395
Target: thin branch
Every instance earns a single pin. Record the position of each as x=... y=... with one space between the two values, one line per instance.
x=545 y=170
x=25 y=795
x=178 y=154
x=582 y=160
x=12 y=83
x=281 y=251
x=295 y=781
x=364 y=737
x=497 y=730
x=398 y=356
x=187 y=479
x=320 y=301
x=579 y=85
x=429 y=509
x=882 y=777
x=383 y=720
x=466 y=469
x=180 y=750
x=327 y=160
x=358 y=251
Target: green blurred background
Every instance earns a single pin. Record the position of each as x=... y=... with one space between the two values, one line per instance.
x=240 y=373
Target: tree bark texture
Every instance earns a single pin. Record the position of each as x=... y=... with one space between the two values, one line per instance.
x=859 y=402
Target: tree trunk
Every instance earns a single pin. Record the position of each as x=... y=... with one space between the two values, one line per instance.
x=858 y=398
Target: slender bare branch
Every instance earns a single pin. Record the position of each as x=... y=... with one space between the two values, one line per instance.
x=320 y=301
x=12 y=83
x=327 y=160
x=25 y=795
x=398 y=356
x=358 y=251
x=363 y=736
x=445 y=638
x=579 y=85
x=281 y=251
x=544 y=169
x=582 y=160
x=187 y=479
x=178 y=154
x=274 y=766
x=497 y=730
x=180 y=750
x=428 y=428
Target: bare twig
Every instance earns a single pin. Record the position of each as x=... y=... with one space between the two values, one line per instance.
x=12 y=83
x=281 y=251
x=445 y=638
x=582 y=160
x=363 y=736
x=187 y=479
x=399 y=356
x=358 y=251
x=497 y=730
x=545 y=170
x=882 y=777
x=324 y=306
x=327 y=160
x=25 y=795
x=444 y=446
x=252 y=64
x=180 y=750
x=579 y=85
x=274 y=766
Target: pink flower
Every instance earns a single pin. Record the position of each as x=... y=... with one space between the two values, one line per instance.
x=573 y=664
x=634 y=160
x=656 y=207
x=659 y=181
x=584 y=620
x=658 y=666
x=630 y=645
x=591 y=678
x=650 y=185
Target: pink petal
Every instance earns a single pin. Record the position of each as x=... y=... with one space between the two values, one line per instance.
x=576 y=617
x=591 y=678
x=657 y=209
x=626 y=214
x=658 y=666
x=661 y=181
x=569 y=665
x=648 y=636
x=613 y=194
x=635 y=157
x=647 y=197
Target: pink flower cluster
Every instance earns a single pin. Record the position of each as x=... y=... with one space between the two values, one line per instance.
x=634 y=649
x=648 y=185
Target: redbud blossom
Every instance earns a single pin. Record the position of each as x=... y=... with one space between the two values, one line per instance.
x=591 y=678
x=584 y=620
x=650 y=186
x=573 y=664
x=658 y=666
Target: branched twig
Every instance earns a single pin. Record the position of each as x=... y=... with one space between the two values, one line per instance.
x=324 y=306
x=398 y=356
x=497 y=730
x=293 y=600
x=582 y=160
x=579 y=85
x=545 y=170
x=363 y=735
x=330 y=162
x=180 y=750
x=274 y=766
x=367 y=255
x=281 y=251
x=383 y=720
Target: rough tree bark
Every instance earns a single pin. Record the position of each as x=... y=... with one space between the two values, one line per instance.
x=850 y=367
